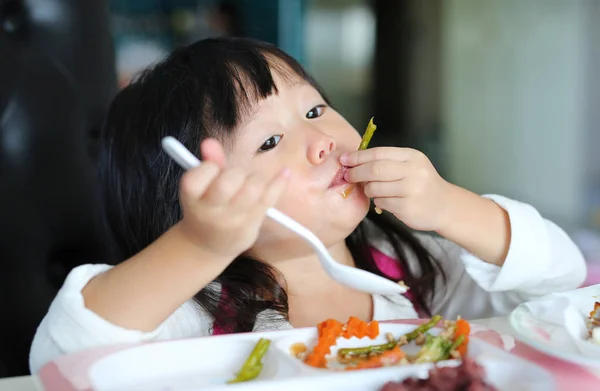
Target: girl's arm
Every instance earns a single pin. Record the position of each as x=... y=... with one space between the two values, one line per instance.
x=223 y=209
x=143 y=291
x=404 y=182
x=540 y=259
x=145 y=298
x=477 y=224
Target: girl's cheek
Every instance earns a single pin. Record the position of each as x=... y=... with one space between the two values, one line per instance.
x=292 y=200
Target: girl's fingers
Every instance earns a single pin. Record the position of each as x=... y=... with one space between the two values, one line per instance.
x=381 y=170
x=225 y=187
x=196 y=181
x=275 y=189
x=386 y=189
x=357 y=158
x=257 y=191
x=249 y=194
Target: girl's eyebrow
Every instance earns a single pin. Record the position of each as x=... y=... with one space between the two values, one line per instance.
x=291 y=84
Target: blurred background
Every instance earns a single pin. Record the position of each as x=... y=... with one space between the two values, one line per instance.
x=500 y=95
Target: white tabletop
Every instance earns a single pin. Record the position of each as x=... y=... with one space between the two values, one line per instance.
x=31 y=383
x=22 y=383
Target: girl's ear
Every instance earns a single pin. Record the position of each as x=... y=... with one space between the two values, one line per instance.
x=212 y=150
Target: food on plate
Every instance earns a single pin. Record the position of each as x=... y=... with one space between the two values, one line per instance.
x=330 y=330
x=364 y=143
x=467 y=376
x=253 y=365
x=383 y=359
x=299 y=350
x=451 y=342
x=403 y=340
x=594 y=323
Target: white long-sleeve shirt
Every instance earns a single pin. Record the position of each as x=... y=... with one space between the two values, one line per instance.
x=541 y=259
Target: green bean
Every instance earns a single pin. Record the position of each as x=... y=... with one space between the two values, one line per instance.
x=457 y=343
x=248 y=375
x=367 y=349
x=368 y=135
x=421 y=329
x=459 y=340
x=253 y=365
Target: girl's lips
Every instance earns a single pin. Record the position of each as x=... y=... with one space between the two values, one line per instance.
x=338 y=179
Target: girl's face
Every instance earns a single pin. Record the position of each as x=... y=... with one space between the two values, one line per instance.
x=296 y=129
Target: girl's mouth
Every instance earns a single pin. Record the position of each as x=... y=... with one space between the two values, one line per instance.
x=338 y=179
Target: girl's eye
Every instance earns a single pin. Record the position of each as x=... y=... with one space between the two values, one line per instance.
x=315 y=112
x=270 y=143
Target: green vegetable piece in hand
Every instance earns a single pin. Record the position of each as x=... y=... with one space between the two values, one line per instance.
x=253 y=365
x=368 y=135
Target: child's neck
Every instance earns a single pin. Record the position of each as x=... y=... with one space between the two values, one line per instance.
x=313 y=296
x=305 y=275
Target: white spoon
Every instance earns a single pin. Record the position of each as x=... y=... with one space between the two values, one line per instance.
x=355 y=278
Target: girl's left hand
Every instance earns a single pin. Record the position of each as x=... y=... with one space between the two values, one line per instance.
x=402 y=181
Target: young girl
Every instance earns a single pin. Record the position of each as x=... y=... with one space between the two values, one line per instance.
x=199 y=257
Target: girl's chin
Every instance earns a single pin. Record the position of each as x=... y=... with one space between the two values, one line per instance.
x=349 y=196
x=346 y=213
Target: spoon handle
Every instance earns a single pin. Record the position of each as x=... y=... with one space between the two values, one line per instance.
x=179 y=153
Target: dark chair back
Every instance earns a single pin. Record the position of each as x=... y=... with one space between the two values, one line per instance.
x=57 y=77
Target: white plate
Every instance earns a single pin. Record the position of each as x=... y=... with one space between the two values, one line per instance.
x=504 y=371
x=553 y=339
x=189 y=364
x=207 y=363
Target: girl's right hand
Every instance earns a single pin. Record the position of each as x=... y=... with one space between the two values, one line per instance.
x=223 y=207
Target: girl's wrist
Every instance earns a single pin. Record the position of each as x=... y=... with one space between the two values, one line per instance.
x=476 y=224
x=450 y=210
x=181 y=237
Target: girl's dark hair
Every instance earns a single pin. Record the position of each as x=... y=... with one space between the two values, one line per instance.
x=199 y=91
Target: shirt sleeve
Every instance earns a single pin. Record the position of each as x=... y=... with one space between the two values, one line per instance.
x=69 y=326
x=541 y=259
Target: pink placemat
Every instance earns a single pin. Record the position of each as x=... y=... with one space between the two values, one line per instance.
x=70 y=372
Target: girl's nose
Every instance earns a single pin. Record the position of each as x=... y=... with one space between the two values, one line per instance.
x=320 y=149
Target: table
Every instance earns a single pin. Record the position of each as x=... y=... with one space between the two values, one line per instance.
x=499 y=324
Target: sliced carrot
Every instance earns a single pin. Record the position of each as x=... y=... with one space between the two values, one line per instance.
x=462 y=328
x=354 y=327
x=329 y=325
x=373 y=329
x=328 y=333
x=330 y=330
x=360 y=329
x=389 y=357
x=316 y=361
